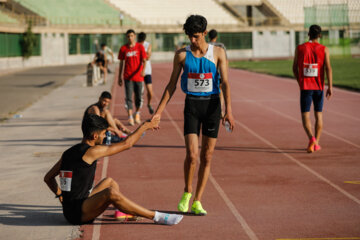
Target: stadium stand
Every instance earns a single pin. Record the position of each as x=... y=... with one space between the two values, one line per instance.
x=69 y=12
x=70 y=31
x=173 y=12
x=5 y=18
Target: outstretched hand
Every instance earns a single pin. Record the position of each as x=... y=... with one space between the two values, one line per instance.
x=156 y=117
x=154 y=122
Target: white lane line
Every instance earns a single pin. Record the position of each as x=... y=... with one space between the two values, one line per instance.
x=297 y=120
x=97 y=227
x=221 y=192
x=343 y=115
x=313 y=172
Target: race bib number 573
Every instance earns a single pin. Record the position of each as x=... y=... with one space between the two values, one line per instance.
x=200 y=82
x=311 y=69
x=65 y=180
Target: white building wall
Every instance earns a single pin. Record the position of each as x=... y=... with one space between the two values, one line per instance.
x=273 y=44
x=53 y=48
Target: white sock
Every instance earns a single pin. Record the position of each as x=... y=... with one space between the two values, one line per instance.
x=167 y=218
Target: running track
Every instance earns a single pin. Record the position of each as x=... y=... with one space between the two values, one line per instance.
x=263 y=183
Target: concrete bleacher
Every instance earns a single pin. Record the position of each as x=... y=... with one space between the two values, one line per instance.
x=74 y=12
x=173 y=12
x=294 y=10
x=4 y=18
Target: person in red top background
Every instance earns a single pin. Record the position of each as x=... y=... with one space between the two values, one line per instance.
x=311 y=62
x=134 y=56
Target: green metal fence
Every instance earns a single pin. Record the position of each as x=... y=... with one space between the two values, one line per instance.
x=91 y=43
x=241 y=40
x=11 y=45
x=327 y=15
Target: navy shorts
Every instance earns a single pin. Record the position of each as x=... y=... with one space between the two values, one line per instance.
x=309 y=96
x=204 y=113
x=147 y=79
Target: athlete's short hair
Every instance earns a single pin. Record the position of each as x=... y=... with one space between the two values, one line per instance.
x=195 y=24
x=105 y=94
x=141 y=37
x=314 y=31
x=212 y=34
x=130 y=31
x=103 y=45
x=93 y=123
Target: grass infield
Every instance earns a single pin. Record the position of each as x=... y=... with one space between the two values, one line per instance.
x=346 y=70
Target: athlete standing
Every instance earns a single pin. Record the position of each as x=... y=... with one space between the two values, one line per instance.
x=200 y=81
x=311 y=61
x=148 y=70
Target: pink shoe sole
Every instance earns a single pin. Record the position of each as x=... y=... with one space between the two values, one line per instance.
x=317 y=147
x=123 y=217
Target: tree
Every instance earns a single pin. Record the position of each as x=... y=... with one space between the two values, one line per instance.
x=29 y=42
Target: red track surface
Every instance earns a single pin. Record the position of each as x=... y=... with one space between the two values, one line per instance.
x=263 y=185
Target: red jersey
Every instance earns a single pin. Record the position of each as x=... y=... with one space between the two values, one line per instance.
x=133 y=57
x=311 y=59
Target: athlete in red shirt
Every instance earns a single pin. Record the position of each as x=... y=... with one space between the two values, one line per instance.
x=134 y=56
x=311 y=61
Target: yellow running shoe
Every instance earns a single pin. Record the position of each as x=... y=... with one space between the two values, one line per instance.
x=184 y=202
x=198 y=209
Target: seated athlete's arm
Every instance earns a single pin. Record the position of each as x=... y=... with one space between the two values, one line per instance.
x=100 y=151
x=50 y=180
x=94 y=110
x=179 y=58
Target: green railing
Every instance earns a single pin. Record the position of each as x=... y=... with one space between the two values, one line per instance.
x=11 y=45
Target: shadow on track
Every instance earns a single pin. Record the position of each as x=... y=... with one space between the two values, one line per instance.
x=31 y=215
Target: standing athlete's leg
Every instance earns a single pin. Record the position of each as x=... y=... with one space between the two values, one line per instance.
x=149 y=92
x=129 y=89
x=192 y=155
x=207 y=150
x=139 y=92
x=306 y=98
x=192 y=146
x=210 y=128
x=318 y=125
x=305 y=116
x=318 y=100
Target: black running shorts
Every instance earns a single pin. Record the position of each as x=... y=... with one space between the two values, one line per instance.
x=73 y=211
x=204 y=112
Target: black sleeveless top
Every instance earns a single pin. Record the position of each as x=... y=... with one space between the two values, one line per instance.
x=76 y=176
x=87 y=109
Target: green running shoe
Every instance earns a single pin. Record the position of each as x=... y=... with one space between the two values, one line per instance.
x=184 y=202
x=198 y=209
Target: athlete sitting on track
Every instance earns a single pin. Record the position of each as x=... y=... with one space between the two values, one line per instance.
x=100 y=109
x=77 y=168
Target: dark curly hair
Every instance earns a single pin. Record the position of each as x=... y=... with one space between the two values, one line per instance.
x=195 y=24
x=314 y=31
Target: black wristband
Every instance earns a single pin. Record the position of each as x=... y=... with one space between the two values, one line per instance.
x=57 y=196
